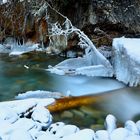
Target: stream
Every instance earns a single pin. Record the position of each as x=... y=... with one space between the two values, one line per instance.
x=16 y=78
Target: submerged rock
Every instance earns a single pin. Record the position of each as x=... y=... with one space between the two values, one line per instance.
x=126 y=60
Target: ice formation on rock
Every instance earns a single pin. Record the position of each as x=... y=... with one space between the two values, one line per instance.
x=93 y=63
x=126 y=60
x=39 y=94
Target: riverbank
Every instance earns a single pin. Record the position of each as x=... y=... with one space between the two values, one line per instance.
x=29 y=120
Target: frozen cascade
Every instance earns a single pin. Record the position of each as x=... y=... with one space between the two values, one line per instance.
x=126 y=60
x=93 y=63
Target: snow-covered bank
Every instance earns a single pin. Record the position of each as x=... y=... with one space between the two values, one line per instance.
x=126 y=60
x=13 y=48
x=39 y=94
x=29 y=120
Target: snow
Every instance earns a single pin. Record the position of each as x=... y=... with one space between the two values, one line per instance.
x=38 y=124
x=39 y=94
x=126 y=60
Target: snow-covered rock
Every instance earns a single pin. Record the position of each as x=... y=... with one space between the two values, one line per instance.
x=126 y=60
x=101 y=135
x=39 y=94
x=42 y=116
x=85 y=134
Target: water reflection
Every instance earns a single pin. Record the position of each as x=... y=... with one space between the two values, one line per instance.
x=123 y=103
x=15 y=78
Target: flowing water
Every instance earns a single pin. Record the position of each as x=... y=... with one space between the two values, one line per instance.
x=16 y=78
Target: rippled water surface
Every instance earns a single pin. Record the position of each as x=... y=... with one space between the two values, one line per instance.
x=15 y=78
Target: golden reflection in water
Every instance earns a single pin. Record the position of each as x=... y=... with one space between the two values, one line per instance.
x=123 y=103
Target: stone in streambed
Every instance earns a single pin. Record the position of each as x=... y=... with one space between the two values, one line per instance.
x=92 y=112
x=78 y=113
x=96 y=127
x=67 y=114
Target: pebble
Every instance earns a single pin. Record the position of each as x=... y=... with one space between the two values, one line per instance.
x=96 y=127
x=67 y=114
x=78 y=113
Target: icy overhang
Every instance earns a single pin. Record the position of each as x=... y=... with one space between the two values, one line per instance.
x=126 y=60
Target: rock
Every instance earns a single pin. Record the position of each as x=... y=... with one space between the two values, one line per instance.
x=101 y=135
x=85 y=134
x=126 y=60
x=42 y=116
x=119 y=134
x=60 y=130
x=20 y=135
x=53 y=128
x=78 y=113
x=132 y=127
x=91 y=112
x=66 y=114
x=110 y=123
x=66 y=130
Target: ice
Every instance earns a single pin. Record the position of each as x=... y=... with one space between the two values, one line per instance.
x=39 y=94
x=92 y=58
x=18 y=50
x=13 y=48
x=126 y=60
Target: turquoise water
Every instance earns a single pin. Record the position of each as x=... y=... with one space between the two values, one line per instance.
x=15 y=78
